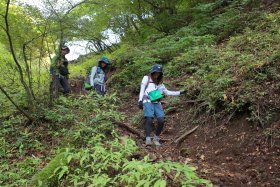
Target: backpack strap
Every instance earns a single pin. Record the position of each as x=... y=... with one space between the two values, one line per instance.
x=149 y=78
x=96 y=72
x=145 y=97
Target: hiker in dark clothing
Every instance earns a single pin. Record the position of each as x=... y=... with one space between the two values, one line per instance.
x=151 y=93
x=59 y=71
x=98 y=77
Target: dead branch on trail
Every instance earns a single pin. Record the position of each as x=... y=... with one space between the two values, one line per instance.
x=129 y=128
x=183 y=136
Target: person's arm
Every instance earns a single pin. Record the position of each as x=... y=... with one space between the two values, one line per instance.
x=166 y=92
x=92 y=74
x=143 y=86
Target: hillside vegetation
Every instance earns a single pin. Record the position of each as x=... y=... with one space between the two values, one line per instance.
x=225 y=53
x=227 y=57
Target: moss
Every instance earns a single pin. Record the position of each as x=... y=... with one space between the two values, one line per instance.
x=46 y=177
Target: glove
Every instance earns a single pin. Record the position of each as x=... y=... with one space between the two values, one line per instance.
x=52 y=77
x=140 y=104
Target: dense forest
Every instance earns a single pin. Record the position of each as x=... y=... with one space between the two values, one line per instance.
x=224 y=131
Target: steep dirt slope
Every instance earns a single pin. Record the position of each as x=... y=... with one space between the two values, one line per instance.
x=232 y=154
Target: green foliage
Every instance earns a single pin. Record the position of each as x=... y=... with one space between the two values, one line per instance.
x=59 y=114
x=93 y=154
x=171 y=46
x=137 y=118
x=18 y=159
x=143 y=173
x=130 y=77
x=18 y=174
x=225 y=54
x=49 y=176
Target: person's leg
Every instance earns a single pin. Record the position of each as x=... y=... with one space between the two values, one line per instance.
x=160 y=122
x=149 y=114
x=148 y=126
x=55 y=86
x=103 y=91
x=65 y=84
x=98 y=89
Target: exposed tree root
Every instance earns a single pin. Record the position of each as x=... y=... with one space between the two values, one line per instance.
x=129 y=127
x=183 y=136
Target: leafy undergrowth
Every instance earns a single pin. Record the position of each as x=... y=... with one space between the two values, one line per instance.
x=227 y=58
x=76 y=145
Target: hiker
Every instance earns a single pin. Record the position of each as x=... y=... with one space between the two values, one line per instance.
x=59 y=71
x=152 y=91
x=98 y=77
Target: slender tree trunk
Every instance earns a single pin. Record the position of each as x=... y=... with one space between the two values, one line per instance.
x=40 y=61
x=7 y=30
x=28 y=71
x=51 y=81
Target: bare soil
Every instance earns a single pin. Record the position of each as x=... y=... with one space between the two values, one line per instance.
x=236 y=153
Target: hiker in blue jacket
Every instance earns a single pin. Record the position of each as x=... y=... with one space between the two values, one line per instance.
x=151 y=92
x=98 y=76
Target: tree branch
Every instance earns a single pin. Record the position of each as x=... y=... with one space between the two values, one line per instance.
x=129 y=128
x=183 y=136
x=18 y=108
x=14 y=55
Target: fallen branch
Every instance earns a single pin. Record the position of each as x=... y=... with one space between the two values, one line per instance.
x=183 y=136
x=129 y=128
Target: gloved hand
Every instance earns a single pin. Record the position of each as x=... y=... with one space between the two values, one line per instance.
x=140 y=104
x=52 y=77
x=183 y=91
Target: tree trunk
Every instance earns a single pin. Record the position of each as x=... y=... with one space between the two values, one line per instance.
x=7 y=30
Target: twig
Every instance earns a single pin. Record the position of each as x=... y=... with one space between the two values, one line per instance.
x=259 y=119
x=168 y=175
x=183 y=136
x=129 y=128
x=230 y=116
x=17 y=107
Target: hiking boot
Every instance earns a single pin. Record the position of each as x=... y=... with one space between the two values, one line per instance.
x=148 y=142
x=156 y=142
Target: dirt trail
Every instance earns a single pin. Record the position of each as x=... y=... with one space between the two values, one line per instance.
x=235 y=154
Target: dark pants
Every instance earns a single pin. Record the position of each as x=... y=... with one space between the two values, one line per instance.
x=63 y=82
x=148 y=126
x=100 y=89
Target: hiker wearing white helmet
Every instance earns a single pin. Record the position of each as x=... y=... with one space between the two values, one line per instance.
x=151 y=92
